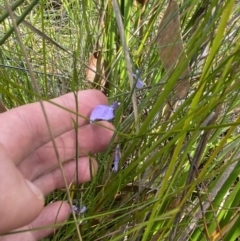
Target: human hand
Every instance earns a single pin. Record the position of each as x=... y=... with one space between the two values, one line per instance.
x=29 y=167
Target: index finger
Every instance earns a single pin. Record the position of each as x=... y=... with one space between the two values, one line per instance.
x=24 y=128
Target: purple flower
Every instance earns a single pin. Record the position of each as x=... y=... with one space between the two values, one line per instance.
x=139 y=83
x=103 y=112
x=116 y=158
x=75 y=209
x=115 y=105
x=83 y=209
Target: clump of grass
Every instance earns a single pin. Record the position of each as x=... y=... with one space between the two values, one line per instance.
x=179 y=167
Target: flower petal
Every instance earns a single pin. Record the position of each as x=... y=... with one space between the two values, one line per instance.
x=115 y=105
x=75 y=209
x=140 y=83
x=102 y=112
x=83 y=209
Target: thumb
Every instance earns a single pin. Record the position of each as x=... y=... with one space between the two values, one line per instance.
x=20 y=200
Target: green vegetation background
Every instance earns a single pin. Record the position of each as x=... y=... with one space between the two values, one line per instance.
x=178 y=176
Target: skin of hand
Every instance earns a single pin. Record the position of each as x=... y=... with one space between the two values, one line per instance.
x=29 y=168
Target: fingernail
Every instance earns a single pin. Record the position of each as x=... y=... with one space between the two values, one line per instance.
x=35 y=190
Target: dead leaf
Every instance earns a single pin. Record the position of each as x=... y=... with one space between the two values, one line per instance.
x=92 y=64
x=143 y=2
x=96 y=70
x=170 y=47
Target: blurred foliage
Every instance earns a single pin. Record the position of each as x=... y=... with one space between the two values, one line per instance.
x=178 y=176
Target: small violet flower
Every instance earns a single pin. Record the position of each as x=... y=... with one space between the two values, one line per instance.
x=103 y=112
x=75 y=209
x=83 y=209
x=116 y=158
x=140 y=83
